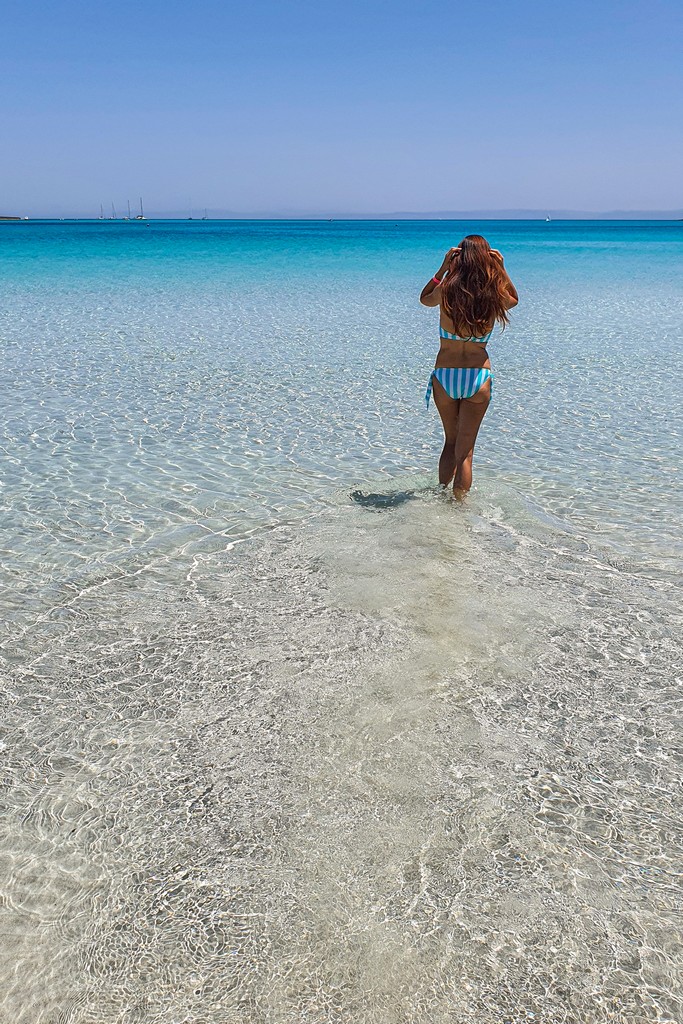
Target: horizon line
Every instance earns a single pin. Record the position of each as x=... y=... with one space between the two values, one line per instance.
x=435 y=215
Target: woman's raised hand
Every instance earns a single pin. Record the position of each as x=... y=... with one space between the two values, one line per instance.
x=496 y=255
x=449 y=257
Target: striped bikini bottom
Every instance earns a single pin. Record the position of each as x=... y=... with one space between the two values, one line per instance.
x=460 y=381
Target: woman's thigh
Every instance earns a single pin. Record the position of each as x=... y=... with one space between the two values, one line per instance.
x=471 y=413
x=448 y=411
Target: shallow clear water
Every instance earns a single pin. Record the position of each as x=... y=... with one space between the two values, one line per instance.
x=288 y=735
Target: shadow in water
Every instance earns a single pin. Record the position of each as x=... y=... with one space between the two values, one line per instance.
x=380 y=502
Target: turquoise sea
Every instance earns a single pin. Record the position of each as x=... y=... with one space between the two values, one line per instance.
x=287 y=734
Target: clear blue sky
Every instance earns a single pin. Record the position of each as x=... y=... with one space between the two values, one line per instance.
x=358 y=106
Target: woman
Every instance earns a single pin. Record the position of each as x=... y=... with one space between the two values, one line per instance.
x=473 y=292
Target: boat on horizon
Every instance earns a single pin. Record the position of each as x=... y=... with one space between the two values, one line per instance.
x=131 y=216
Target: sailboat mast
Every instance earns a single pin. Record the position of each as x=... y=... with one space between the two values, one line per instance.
x=128 y=201
x=142 y=212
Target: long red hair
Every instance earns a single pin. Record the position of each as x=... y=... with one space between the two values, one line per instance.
x=474 y=292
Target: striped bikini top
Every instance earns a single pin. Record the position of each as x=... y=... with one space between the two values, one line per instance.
x=454 y=337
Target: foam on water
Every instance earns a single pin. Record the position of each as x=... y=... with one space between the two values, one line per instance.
x=289 y=735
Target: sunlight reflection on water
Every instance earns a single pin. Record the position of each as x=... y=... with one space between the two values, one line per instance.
x=288 y=734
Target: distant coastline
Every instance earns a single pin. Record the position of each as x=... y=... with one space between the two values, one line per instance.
x=430 y=215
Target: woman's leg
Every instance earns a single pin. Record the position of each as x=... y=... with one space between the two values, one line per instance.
x=448 y=411
x=472 y=412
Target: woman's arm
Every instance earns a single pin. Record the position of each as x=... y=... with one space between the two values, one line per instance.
x=513 y=297
x=430 y=294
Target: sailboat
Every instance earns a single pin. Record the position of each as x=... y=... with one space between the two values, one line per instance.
x=204 y=217
x=128 y=217
x=101 y=216
x=141 y=214
x=113 y=213
x=547 y=219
